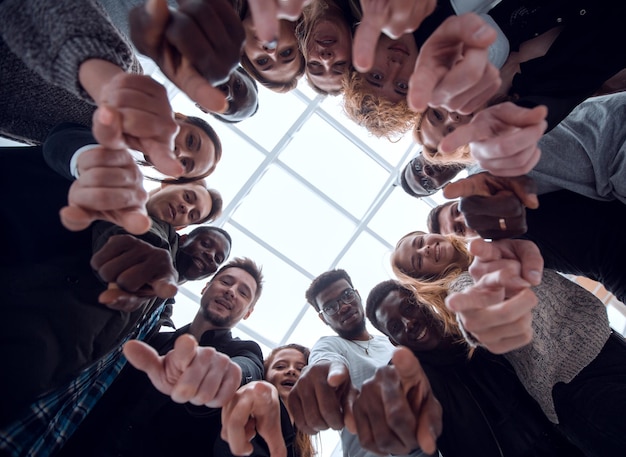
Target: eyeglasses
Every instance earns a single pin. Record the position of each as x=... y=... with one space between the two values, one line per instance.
x=422 y=177
x=331 y=308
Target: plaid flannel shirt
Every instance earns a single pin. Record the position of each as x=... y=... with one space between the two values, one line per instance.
x=54 y=417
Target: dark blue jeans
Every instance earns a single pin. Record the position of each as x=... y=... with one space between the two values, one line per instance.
x=591 y=406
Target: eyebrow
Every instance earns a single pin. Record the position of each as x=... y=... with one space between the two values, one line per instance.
x=371 y=83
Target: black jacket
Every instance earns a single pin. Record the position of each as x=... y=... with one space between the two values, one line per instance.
x=134 y=419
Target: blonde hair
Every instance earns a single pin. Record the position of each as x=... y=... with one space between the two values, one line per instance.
x=460 y=157
x=433 y=291
x=381 y=117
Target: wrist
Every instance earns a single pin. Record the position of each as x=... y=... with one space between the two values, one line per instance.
x=94 y=75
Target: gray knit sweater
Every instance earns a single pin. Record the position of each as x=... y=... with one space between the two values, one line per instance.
x=570 y=327
x=42 y=45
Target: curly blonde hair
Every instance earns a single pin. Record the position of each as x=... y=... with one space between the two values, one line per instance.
x=381 y=117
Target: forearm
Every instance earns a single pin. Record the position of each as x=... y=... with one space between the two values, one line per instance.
x=55 y=41
x=94 y=74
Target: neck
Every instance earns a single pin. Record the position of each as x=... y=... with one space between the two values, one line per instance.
x=199 y=325
x=365 y=336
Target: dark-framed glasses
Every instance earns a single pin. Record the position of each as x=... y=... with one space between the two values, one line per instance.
x=330 y=308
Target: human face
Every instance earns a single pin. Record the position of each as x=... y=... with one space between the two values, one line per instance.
x=425 y=255
x=452 y=221
x=194 y=150
x=349 y=321
x=437 y=123
x=393 y=65
x=409 y=323
x=180 y=204
x=329 y=51
x=201 y=254
x=280 y=64
x=285 y=370
x=228 y=298
x=425 y=178
x=241 y=95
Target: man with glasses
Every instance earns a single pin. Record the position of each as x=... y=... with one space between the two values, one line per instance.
x=421 y=179
x=338 y=365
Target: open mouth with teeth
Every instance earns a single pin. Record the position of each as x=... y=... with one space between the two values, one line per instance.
x=288 y=383
x=200 y=265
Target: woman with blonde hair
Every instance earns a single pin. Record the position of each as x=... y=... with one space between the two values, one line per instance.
x=571 y=364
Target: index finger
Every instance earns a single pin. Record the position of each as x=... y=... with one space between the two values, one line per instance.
x=265 y=18
x=365 y=39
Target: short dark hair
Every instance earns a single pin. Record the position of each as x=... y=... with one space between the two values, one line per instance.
x=322 y=282
x=433 y=217
x=249 y=267
x=375 y=298
x=211 y=228
x=225 y=118
x=216 y=206
x=404 y=184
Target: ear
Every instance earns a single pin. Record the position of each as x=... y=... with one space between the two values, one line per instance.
x=247 y=315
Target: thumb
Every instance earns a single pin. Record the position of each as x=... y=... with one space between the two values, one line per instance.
x=429 y=415
x=337 y=375
x=165 y=287
x=461 y=188
x=134 y=221
x=178 y=359
x=408 y=368
x=143 y=357
x=107 y=128
x=150 y=21
x=75 y=218
x=162 y=157
x=484 y=250
x=365 y=40
x=201 y=91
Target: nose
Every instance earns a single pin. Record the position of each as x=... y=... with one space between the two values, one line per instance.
x=424 y=250
x=270 y=51
x=291 y=370
x=183 y=208
x=326 y=54
x=454 y=117
x=408 y=323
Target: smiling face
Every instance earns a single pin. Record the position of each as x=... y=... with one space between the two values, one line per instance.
x=284 y=370
x=452 y=221
x=194 y=150
x=280 y=64
x=393 y=65
x=437 y=123
x=424 y=178
x=201 y=254
x=228 y=298
x=349 y=320
x=409 y=323
x=425 y=255
x=328 y=51
x=180 y=204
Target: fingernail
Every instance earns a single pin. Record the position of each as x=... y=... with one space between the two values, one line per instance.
x=534 y=276
x=105 y=116
x=480 y=33
x=271 y=44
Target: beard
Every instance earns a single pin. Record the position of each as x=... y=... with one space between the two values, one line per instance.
x=216 y=319
x=352 y=333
